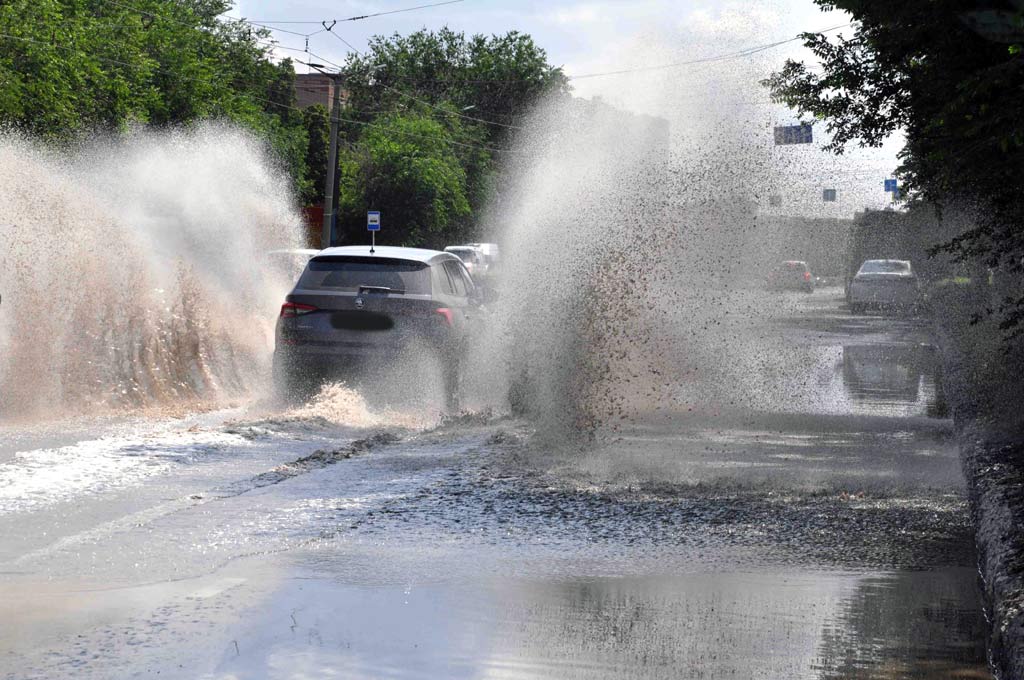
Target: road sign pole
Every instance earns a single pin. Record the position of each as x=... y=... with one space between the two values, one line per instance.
x=373 y=226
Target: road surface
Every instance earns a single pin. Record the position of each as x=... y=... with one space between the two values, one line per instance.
x=808 y=521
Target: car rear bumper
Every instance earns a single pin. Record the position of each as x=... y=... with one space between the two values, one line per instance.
x=346 y=358
x=883 y=296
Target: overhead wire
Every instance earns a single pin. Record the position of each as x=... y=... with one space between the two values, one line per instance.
x=424 y=101
x=328 y=29
x=364 y=16
x=733 y=55
x=704 y=60
x=251 y=96
x=746 y=52
x=306 y=50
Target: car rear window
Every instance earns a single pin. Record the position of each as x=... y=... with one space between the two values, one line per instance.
x=349 y=273
x=884 y=267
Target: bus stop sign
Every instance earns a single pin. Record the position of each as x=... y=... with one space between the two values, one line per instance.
x=373 y=220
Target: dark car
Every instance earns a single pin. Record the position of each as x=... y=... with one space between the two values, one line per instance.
x=354 y=309
x=791 y=275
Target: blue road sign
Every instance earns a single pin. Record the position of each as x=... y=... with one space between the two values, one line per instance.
x=828 y=195
x=373 y=220
x=794 y=134
x=891 y=186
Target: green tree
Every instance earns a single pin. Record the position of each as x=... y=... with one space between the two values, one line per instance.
x=497 y=78
x=318 y=126
x=476 y=88
x=70 y=66
x=404 y=165
x=950 y=73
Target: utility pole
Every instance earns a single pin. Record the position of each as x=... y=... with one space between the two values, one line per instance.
x=332 y=165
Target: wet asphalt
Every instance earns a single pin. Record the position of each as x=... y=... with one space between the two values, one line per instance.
x=809 y=521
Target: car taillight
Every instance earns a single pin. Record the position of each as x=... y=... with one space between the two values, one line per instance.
x=290 y=309
x=446 y=314
x=807 y=276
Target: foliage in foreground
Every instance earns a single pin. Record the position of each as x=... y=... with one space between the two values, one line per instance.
x=951 y=74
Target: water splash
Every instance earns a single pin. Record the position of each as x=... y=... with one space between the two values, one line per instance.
x=338 y=405
x=131 y=269
x=613 y=224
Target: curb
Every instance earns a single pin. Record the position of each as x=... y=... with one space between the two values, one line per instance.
x=995 y=479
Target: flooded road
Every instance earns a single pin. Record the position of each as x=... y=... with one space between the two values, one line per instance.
x=810 y=524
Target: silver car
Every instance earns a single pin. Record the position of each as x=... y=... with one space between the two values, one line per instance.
x=473 y=258
x=889 y=284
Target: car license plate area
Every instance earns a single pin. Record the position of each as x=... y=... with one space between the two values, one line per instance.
x=361 y=321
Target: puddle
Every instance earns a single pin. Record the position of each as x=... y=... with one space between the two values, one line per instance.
x=896 y=625
x=893 y=379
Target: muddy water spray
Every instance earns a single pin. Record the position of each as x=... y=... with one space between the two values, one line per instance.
x=615 y=220
x=131 y=270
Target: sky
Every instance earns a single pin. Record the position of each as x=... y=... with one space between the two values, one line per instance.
x=595 y=36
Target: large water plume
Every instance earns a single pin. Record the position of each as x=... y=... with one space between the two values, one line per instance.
x=132 y=269
x=614 y=221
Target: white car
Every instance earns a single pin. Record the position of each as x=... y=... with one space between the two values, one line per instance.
x=491 y=253
x=889 y=284
x=473 y=258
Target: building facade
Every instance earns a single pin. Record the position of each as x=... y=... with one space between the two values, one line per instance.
x=316 y=88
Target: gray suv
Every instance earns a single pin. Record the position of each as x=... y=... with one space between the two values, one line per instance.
x=355 y=308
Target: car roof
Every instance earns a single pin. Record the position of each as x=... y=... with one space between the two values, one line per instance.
x=906 y=262
x=390 y=252
x=294 y=251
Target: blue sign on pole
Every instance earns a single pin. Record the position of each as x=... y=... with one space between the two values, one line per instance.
x=891 y=186
x=794 y=134
x=373 y=220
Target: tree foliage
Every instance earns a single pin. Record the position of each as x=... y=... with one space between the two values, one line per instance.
x=950 y=73
x=429 y=90
x=496 y=79
x=425 y=115
x=405 y=162
x=71 y=66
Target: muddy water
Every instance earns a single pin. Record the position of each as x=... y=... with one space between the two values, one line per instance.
x=823 y=534
x=812 y=526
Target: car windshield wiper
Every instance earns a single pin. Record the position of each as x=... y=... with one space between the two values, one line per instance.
x=384 y=290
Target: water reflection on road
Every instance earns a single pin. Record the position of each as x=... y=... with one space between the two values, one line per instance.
x=797 y=511
x=893 y=378
x=769 y=625
x=816 y=530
